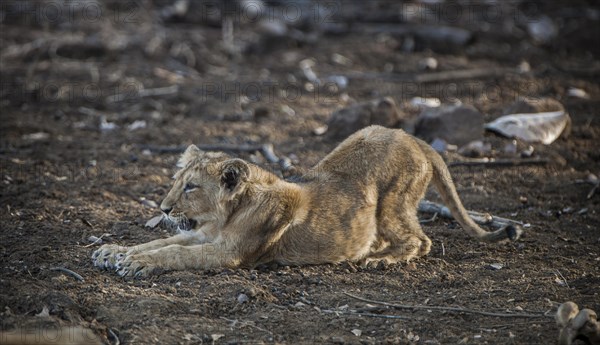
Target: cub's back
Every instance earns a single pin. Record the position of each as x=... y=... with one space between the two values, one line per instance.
x=374 y=152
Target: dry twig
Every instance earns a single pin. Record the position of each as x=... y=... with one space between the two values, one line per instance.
x=435 y=77
x=593 y=191
x=69 y=272
x=448 y=309
x=353 y=312
x=491 y=162
x=112 y=334
x=246 y=323
x=427 y=206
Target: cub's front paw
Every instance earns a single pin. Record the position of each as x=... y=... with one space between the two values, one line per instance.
x=106 y=256
x=135 y=265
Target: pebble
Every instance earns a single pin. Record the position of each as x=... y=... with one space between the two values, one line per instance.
x=357 y=332
x=542 y=29
x=338 y=340
x=95 y=240
x=299 y=305
x=242 y=298
x=428 y=63
x=496 y=266
x=149 y=203
x=577 y=93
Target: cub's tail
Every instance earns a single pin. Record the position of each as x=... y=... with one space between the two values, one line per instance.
x=443 y=183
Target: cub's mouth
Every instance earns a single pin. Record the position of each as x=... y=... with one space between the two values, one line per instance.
x=189 y=224
x=183 y=224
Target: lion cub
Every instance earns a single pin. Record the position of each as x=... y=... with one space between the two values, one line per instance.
x=359 y=204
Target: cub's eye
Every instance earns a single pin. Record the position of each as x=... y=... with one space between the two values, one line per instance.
x=189 y=187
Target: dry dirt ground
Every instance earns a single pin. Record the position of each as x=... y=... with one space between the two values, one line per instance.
x=64 y=179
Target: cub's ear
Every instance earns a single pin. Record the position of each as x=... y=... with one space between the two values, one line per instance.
x=233 y=173
x=190 y=153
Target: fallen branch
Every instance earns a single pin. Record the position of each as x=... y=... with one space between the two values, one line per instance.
x=475 y=73
x=351 y=312
x=437 y=33
x=491 y=162
x=427 y=206
x=69 y=272
x=448 y=309
x=435 y=77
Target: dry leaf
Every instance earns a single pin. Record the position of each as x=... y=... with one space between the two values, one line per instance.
x=153 y=222
x=537 y=127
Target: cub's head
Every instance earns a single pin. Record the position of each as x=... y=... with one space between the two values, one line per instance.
x=203 y=188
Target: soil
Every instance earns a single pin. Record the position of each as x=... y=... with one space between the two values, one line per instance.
x=65 y=179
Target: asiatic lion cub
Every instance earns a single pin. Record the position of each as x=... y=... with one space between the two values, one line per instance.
x=359 y=203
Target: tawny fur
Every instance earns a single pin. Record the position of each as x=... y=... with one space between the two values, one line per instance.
x=359 y=204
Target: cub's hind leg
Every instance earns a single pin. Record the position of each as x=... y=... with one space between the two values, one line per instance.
x=405 y=244
x=398 y=224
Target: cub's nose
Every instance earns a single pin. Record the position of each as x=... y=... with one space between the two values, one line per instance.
x=166 y=210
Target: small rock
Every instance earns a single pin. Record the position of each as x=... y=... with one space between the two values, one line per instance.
x=357 y=332
x=95 y=240
x=542 y=29
x=475 y=149
x=528 y=152
x=36 y=136
x=320 y=130
x=456 y=124
x=341 y=60
x=106 y=126
x=577 y=93
x=568 y=210
x=339 y=80
x=338 y=340
x=299 y=305
x=496 y=266
x=137 y=124
x=348 y=120
x=428 y=63
x=421 y=102
x=439 y=145
x=524 y=67
x=242 y=298
x=149 y=203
